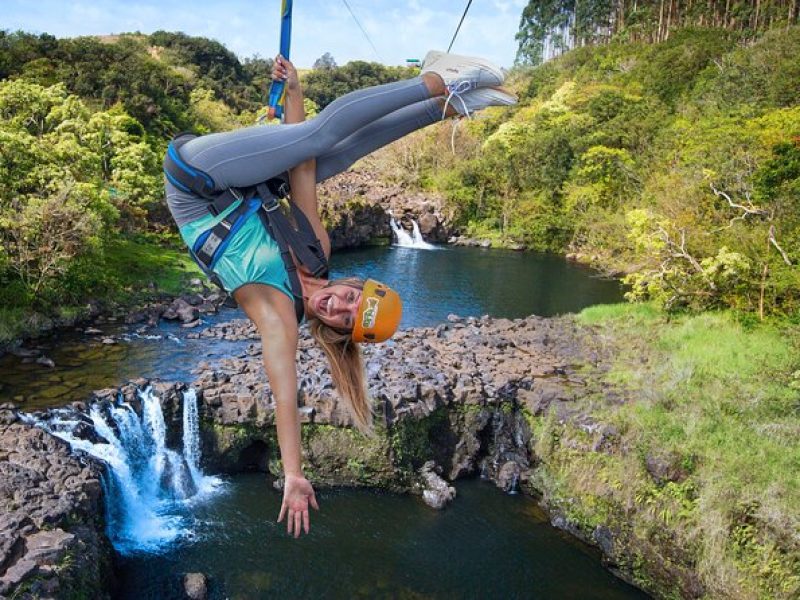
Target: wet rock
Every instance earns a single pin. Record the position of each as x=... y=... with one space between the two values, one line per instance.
x=154 y=314
x=181 y=310
x=436 y=492
x=193 y=299
x=195 y=586
x=109 y=341
x=192 y=324
x=135 y=317
x=92 y=331
x=207 y=308
x=429 y=226
x=45 y=362
x=508 y=477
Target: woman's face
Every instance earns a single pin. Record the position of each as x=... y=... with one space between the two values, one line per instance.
x=336 y=305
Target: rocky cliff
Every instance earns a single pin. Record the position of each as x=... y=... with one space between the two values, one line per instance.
x=467 y=397
x=52 y=543
x=356 y=210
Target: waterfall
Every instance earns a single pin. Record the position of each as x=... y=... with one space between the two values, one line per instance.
x=406 y=240
x=147 y=484
x=191 y=443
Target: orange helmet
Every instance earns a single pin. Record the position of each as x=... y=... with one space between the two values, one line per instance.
x=378 y=313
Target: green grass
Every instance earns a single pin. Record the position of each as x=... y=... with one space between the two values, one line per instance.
x=118 y=277
x=134 y=262
x=723 y=400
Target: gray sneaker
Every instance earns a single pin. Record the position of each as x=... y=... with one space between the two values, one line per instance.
x=463 y=72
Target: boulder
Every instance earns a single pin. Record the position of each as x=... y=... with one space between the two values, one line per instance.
x=181 y=310
x=196 y=586
x=436 y=492
x=45 y=362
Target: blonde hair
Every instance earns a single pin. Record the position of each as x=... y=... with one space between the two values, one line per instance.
x=346 y=364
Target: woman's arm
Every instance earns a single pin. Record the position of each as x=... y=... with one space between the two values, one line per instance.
x=273 y=313
x=303 y=177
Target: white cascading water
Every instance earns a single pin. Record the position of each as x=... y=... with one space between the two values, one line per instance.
x=406 y=240
x=147 y=484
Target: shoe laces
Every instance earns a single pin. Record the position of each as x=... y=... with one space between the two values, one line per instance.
x=455 y=92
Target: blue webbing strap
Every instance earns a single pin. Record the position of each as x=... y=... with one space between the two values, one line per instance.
x=302 y=242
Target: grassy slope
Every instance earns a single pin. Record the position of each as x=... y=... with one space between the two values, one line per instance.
x=129 y=265
x=718 y=402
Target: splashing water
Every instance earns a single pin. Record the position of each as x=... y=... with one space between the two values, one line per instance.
x=147 y=485
x=413 y=240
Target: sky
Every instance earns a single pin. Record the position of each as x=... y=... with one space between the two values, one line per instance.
x=400 y=29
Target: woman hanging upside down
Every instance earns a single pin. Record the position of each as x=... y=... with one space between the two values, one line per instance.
x=340 y=313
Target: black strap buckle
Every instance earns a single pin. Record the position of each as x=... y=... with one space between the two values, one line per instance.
x=279 y=187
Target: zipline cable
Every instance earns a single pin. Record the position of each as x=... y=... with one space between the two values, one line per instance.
x=459 y=25
x=364 y=31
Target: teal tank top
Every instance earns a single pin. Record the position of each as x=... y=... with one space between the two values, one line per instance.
x=252 y=256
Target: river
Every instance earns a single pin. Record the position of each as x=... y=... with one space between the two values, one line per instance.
x=363 y=543
x=432 y=283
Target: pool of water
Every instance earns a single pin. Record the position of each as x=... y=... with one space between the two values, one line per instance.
x=477 y=281
x=433 y=284
x=369 y=544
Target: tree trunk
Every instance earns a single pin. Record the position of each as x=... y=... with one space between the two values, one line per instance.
x=755 y=19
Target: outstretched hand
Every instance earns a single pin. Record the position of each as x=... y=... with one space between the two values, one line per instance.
x=297 y=495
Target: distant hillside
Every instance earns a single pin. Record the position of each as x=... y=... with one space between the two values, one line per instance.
x=676 y=163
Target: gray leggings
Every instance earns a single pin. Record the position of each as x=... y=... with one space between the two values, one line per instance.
x=347 y=129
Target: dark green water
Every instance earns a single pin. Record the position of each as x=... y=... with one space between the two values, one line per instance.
x=433 y=284
x=368 y=544
x=363 y=544
x=476 y=281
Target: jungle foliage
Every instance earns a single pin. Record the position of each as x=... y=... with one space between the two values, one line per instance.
x=84 y=123
x=549 y=28
x=676 y=164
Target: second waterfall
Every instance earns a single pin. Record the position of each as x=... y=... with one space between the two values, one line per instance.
x=147 y=485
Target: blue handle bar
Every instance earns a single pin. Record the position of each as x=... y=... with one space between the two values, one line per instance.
x=276 y=89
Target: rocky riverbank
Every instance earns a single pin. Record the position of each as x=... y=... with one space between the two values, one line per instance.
x=356 y=209
x=52 y=543
x=452 y=401
x=463 y=398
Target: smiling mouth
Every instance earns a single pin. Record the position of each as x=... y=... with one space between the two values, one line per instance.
x=324 y=305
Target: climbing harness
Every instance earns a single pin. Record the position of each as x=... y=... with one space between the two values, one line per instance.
x=262 y=199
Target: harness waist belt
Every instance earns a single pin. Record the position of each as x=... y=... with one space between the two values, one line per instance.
x=301 y=242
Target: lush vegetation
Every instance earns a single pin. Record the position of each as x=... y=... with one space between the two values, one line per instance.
x=675 y=163
x=327 y=81
x=699 y=453
x=551 y=27
x=83 y=125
